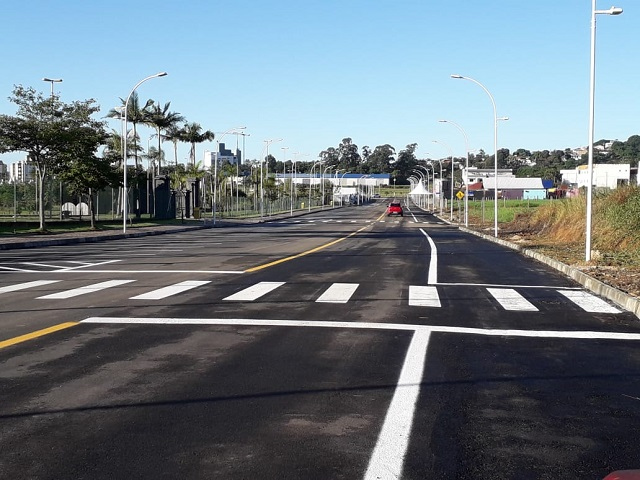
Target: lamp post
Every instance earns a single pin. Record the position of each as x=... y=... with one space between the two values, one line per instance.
x=266 y=146
x=466 y=166
x=592 y=88
x=328 y=167
x=125 y=199
x=452 y=169
x=215 y=170
x=319 y=162
x=284 y=177
x=54 y=80
x=495 y=147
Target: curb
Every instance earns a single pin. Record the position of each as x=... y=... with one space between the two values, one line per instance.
x=620 y=298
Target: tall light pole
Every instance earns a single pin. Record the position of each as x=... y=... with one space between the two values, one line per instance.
x=452 y=170
x=284 y=174
x=54 y=80
x=266 y=146
x=592 y=89
x=125 y=199
x=466 y=166
x=215 y=170
x=495 y=148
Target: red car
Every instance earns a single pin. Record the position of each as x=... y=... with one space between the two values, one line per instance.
x=395 y=208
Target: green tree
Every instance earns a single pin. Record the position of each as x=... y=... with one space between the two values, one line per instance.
x=379 y=161
x=193 y=134
x=162 y=120
x=348 y=156
x=405 y=162
x=51 y=132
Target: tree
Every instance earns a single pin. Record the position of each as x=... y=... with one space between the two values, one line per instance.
x=135 y=115
x=86 y=174
x=379 y=161
x=192 y=133
x=405 y=163
x=348 y=156
x=173 y=134
x=51 y=132
x=162 y=120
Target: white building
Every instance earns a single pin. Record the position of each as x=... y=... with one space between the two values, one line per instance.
x=222 y=155
x=605 y=175
x=22 y=171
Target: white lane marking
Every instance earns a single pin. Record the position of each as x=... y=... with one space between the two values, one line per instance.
x=432 y=277
x=41 y=265
x=254 y=292
x=165 y=292
x=511 y=300
x=498 y=285
x=388 y=455
x=580 y=334
x=24 y=270
x=589 y=303
x=338 y=293
x=423 y=296
x=96 y=287
x=23 y=286
x=88 y=265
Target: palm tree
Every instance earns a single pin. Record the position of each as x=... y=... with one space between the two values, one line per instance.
x=135 y=115
x=174 y=135
x=162 y=120
x=192 y=133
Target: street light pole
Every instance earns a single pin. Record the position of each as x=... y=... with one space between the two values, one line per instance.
x=54 y=80
x=592 y=89
x=215 y=170
x=266 y=146
x=466 y=167
x=125 y=198
x=495 y=147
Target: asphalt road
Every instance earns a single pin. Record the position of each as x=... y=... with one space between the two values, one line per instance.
x=342 y=344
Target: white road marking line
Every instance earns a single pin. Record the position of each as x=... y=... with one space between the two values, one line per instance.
x=165 y=292
x=96 y=287
x=88 y=265
x=23 y=286
x=432 y=277
x=338 y=293
x=423 y=296
x=589 y=303
x=231 y=272
x=11 y=269
x=511 y=300
x=41 y=265
x=387 y=459
x=249 y=322
x=254 y=292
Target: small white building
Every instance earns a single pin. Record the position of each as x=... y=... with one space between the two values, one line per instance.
x=605 y=175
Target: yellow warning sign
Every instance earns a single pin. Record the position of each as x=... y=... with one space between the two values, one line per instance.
x=460 y=195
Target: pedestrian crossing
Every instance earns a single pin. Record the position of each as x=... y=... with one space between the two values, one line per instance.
x=425 y=296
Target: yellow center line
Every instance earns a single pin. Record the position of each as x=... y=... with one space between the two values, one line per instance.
x=36 y=334
x=313 y=250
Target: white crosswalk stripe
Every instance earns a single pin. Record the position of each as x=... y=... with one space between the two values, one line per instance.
x=165 y=292
x=338 y=293
x=511 y=300
x=588 y=302
x=96 y=287
x=24 y=286
x=423 y=296
x=254 y=292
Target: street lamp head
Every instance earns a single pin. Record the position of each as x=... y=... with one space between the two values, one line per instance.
x=455 y=75
x=443 y=121
x=611 y=11
x=161 y=74
x=46 y=79
x=503 y=118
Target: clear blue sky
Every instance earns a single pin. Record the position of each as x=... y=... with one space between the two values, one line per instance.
x=314 y=72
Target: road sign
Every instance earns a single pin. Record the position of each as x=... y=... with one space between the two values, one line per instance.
x=460 y=195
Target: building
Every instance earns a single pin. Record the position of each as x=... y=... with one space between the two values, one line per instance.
x=22 y=171
x=222 y=155
x=605 y=175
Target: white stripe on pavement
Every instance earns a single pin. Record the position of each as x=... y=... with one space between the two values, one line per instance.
x=423 y=296
x=511 y=300
x=96 y=287
x=23 y=286
x=338 y=293
x=165 y=292
x=387 y=459
x=254 y=292
x=588 y=302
